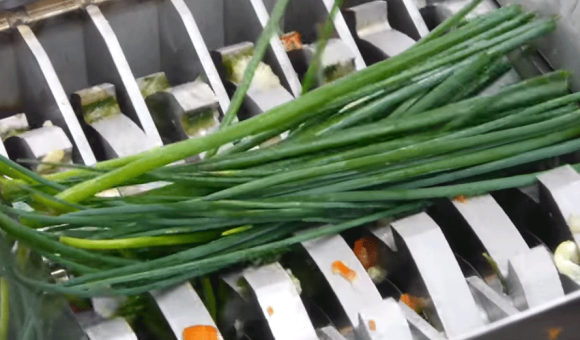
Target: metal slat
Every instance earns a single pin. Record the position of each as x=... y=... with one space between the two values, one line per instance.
x=183 y=47
x=452 y=304
x=107 y=63
x=244 y=22
x=182 y=308
x=493 y=228
x=280 y=303
x=383 y=320
x=533 y=279
x=43 y=96
x=495 y=305
x=560 y=193
x=304 y=15
x=353 y=296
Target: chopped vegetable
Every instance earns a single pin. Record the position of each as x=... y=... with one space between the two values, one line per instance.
x=366 y=250
x=574 y=223
x=270 y=311
x=567 y=259
x=200 y=333
x=415 y=303
x=338 y=267
x=292 y=41
x=372 y=325
x=460 y=198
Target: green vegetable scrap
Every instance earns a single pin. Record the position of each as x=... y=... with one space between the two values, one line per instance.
x=153 y=83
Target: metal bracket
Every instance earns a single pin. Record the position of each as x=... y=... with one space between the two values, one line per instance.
x=184 y=111
x=258 y=98
x=377 y=40
x=48 y=143
x=116 y=134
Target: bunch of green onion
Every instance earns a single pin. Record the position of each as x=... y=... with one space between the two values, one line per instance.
x=382 y=142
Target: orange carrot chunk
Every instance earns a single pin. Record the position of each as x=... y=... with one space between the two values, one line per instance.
x=413 y=302
x=338 y=267
x=366 y=250
x=461 y=199
x=200 y=333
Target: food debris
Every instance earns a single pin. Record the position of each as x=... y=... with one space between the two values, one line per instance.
x=413 y=302
x=366 y=250
x=574 y=223
x=567 y=260
x=372 y=325
x=338 y=267
x=292 y=41
x=270 y=311
x=554 y=332
x=200 y=333
x=460 y=199
x=377 y=274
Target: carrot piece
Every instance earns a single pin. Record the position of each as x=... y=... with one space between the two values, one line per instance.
x=338 y=267
x=366 y=250
x=461 y=199
x=292 y=41
x=372 y=325
x=200 y=333
x=270 y=311
x=413 y=302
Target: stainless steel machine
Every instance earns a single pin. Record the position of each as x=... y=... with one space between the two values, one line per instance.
x=90 y=80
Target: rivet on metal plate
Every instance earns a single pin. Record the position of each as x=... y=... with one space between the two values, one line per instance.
x=280 y=302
